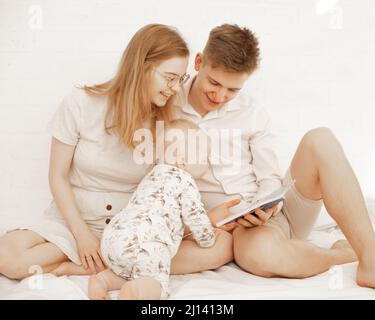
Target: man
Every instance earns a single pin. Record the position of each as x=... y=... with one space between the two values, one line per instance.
x=272 y=243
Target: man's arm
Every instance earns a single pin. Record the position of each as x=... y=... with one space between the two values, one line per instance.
x=265 y=162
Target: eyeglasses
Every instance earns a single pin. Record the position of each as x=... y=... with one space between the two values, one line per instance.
x=172 y=81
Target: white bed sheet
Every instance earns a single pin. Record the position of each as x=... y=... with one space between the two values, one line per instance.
x=226 y=283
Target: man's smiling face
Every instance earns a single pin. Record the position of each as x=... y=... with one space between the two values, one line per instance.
x=213 y=87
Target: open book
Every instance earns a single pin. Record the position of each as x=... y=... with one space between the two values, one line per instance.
x=267 y=202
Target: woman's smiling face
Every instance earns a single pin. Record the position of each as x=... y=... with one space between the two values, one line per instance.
x=165 y=79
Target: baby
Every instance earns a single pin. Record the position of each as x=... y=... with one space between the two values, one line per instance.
x=139 y=242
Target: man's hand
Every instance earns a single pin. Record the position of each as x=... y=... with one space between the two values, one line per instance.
x=260 y=217
x=221 y=212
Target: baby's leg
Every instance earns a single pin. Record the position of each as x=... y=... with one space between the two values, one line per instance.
x=101 y=283
x=150 y=274
x=144 y=288
x=70 y=268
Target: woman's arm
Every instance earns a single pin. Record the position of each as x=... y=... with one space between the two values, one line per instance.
x=60 y=162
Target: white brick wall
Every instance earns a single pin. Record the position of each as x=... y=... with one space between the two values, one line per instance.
x=317 y=70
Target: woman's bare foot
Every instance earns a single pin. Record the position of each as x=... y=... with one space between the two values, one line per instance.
x=69 y=269
x=344 y=248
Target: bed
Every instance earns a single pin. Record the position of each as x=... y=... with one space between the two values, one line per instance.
x=226 y=283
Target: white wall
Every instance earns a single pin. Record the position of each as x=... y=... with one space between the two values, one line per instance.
x=317 y=69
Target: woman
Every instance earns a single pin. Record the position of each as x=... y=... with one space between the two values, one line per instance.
x=92 y=173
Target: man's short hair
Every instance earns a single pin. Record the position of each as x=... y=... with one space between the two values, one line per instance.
x=233 y=48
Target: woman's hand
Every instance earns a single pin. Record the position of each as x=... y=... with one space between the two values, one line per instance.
x=89 y=251
x=221 y=212
x=260 y=217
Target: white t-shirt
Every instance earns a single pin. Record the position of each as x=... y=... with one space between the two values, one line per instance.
x=103 y=174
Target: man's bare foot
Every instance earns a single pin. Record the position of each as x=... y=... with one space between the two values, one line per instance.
x=344 y=248
x=98 y=289
x=69 y=269
x=366 y=272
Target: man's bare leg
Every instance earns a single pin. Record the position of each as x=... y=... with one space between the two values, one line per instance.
x=334 y=180
x=265 y=251
x=191 y=258
x=322 y=171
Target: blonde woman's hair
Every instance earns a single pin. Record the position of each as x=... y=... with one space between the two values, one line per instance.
x=128 y=93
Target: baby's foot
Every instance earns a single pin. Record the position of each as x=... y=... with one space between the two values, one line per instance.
x=70 y=268
x=97 y=288
x=128 y=291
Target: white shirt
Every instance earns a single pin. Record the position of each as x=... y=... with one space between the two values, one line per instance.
x=251 y=168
